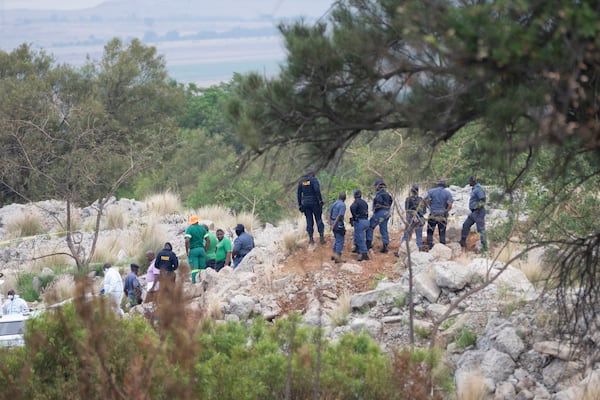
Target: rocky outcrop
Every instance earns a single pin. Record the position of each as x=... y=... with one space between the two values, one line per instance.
x=514 y=356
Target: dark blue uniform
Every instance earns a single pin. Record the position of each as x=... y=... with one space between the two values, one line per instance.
x=360 y=217
x=477 y=216
x=381 y=215
x=167 y=262
x=310 y=202
x=439 y=200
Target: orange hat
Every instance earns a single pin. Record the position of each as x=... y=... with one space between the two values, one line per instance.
x=194 y=220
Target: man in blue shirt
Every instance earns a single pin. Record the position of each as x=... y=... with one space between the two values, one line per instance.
x=477 y=216
x=132 y=287
x=360 y=220
x=439 y=201
x=336 y=223
x=381 y=215
x=310 y=202
x=242 y=245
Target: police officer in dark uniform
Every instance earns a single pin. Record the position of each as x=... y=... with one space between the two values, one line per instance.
x=477 y=216
x=310 y=202
x=167 y=262
x=439 y=201
x=360 y=221
x=381 y=215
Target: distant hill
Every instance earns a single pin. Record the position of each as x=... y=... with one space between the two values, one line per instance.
x=226 y=35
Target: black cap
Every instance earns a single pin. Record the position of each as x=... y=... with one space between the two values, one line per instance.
x=414 y=188
x=472 y=179
x=239 y=228
x=442 y=183
x=357 y=193
x=134 y=266
x=379 y=182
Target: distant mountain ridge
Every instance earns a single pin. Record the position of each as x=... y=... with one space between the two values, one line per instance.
x=187 y=32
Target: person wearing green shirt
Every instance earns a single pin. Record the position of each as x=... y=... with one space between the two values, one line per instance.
x=224 y=247
x=194 y=246
x=210 y=246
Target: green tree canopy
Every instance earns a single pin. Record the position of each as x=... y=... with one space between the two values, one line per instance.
x=521 y=76
x=77 y=134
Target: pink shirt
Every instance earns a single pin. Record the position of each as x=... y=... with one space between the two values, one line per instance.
x=152 y=273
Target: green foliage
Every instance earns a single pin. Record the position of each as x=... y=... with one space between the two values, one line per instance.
x=465 y=338
x=84 y=350
x=26 y=288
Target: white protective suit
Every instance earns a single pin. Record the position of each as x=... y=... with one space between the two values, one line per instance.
x=15 y=306
x=113 y=287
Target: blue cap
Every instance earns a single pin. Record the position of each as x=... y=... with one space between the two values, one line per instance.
x=357 y=193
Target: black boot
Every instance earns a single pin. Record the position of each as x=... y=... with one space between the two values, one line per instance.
x=369 y=244
x=463 y=243
x=311 y=240
x=322 y=240
x=384 y=249
x=355 y=250
x=363 y=257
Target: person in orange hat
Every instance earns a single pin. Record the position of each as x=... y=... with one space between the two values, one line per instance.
x=194 y=245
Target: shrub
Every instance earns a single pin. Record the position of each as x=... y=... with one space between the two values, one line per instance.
x=465 y=338
x=30 y=286
x=83 y=350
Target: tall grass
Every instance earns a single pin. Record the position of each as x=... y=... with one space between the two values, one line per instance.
x=163 y=203
x=24 y=223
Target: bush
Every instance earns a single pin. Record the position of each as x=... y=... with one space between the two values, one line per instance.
x=466 y=338
x=83 y=350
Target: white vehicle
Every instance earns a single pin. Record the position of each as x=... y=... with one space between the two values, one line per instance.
x=12 y=328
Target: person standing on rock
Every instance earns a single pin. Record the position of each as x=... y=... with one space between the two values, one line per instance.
x=243 y=244
x=113 y=288
x=224 y=248
x=210 y=247
x=194 y=246
x=167 y=262
x=310 y=202
x=477 y=215
x=152 y=276
x=415 y=219
x=132 y=287
x=336 y=223
x=382 y=204
x=360 y=221
x=439 y=201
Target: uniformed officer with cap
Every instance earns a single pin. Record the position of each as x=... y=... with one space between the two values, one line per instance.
x=439 y=201
x=382 y=204
x=477 y=216
x=360 y=220
x=310 y=202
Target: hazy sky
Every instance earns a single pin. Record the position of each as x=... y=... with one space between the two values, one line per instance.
x=49 y=4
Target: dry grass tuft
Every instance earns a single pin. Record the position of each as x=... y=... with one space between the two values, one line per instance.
x=472 y=388
x=107 y=250
x=163 y=203
x=24 y=223
x=151 y=237
x=54 y=261
x=291 y=241
x=115 y=218
x=248 y=220
x=214 y=308
x=339 y=315
x=62 y=288
x=534 y=272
